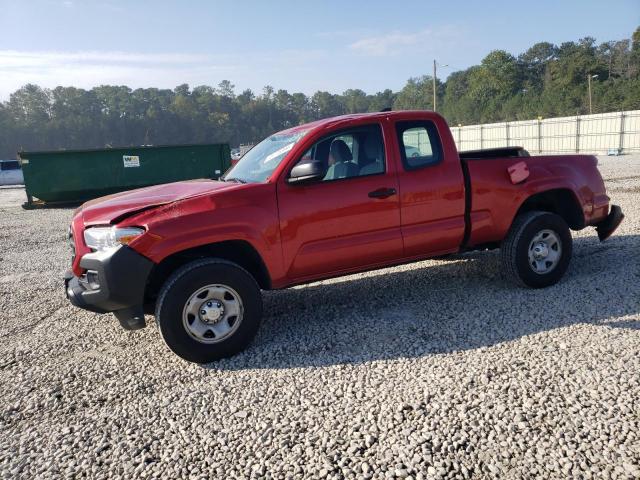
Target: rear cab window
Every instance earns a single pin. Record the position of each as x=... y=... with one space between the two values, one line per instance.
x=419 y=144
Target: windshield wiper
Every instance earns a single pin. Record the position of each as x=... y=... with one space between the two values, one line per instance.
x=234 y=179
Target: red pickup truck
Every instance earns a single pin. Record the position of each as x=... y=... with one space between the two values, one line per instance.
x=329 y=198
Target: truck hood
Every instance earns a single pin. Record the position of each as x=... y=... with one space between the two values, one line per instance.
x=113 y=208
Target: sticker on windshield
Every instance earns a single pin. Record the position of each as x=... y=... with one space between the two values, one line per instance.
x=279 y=152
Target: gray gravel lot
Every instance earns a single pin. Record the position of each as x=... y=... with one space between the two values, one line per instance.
x=441 y=369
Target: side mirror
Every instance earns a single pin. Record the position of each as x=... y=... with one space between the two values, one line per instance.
x=307 y=172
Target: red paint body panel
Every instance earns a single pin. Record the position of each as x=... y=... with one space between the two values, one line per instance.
x=329 y=226
x=244 y=212
x=496 y=200
x=432 y=201
x=315 y=231
x=102 y=211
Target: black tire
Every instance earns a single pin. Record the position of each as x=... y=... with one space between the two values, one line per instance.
x=515 y=248
x=183 y=284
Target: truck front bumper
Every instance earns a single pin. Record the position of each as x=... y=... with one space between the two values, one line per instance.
x=606 y=227
x=114 y=281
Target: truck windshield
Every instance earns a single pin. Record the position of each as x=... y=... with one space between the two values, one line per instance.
x=260 y=162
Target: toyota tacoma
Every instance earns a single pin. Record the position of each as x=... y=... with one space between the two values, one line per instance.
x=329 y=198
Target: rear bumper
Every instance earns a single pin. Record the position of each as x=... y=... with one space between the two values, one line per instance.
x=606 y=227
x=115 y=281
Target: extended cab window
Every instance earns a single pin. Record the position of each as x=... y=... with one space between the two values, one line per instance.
x=349 y=153
x=419 y=144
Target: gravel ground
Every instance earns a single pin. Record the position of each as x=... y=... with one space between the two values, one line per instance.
x=440 y=369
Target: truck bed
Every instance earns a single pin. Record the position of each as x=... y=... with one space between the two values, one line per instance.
x=493 y=200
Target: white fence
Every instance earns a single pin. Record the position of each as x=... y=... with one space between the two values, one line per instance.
x=614 y=132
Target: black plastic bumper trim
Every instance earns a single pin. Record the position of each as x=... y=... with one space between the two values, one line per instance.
x=122 y=276
x=606 y=227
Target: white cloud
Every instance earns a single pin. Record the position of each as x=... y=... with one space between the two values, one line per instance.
x=44 y=59
x=305 y=70
x=344 y=33
x=87 y=69
x=395 y=43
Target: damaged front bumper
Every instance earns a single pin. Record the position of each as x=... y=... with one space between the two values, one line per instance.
x=114 y=281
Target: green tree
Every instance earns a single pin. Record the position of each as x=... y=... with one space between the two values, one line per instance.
x=417 y=94
x=382 y=100
x=545 y=80
x=355 y=100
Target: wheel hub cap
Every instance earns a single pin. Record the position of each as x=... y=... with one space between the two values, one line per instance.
x=540 y=251
x=211 y=312
x=545 y=251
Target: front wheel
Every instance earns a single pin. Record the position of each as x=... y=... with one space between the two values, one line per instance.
x=209 y=309
x=537 y=250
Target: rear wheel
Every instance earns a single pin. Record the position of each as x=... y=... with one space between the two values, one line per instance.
x=537 y=250
x=209 y=309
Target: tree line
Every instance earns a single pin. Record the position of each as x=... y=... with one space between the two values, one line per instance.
x=547 y=80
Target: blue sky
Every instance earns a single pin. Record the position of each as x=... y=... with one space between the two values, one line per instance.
x=298 y=45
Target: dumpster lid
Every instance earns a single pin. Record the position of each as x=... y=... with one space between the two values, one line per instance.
x=25 y=154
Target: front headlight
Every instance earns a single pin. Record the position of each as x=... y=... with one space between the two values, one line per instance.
x=104 y=238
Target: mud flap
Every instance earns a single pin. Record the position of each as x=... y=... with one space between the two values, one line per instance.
x=131 y=318
x=607 y=226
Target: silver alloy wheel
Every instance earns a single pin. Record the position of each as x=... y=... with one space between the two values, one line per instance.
x=545 y=251
x=212 y=313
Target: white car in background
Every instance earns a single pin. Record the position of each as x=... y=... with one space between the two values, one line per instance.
x=10 y=173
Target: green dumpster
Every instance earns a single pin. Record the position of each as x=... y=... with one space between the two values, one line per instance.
x=72 y=176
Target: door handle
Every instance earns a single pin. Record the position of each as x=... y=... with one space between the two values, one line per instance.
x=382 y=193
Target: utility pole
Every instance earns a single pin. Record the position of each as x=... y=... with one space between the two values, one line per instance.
x=434 y=85
x=589 y=77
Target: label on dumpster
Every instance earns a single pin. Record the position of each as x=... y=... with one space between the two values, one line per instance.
x=131 y=161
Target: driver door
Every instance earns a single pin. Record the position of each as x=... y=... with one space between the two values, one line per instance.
x=336 y=225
